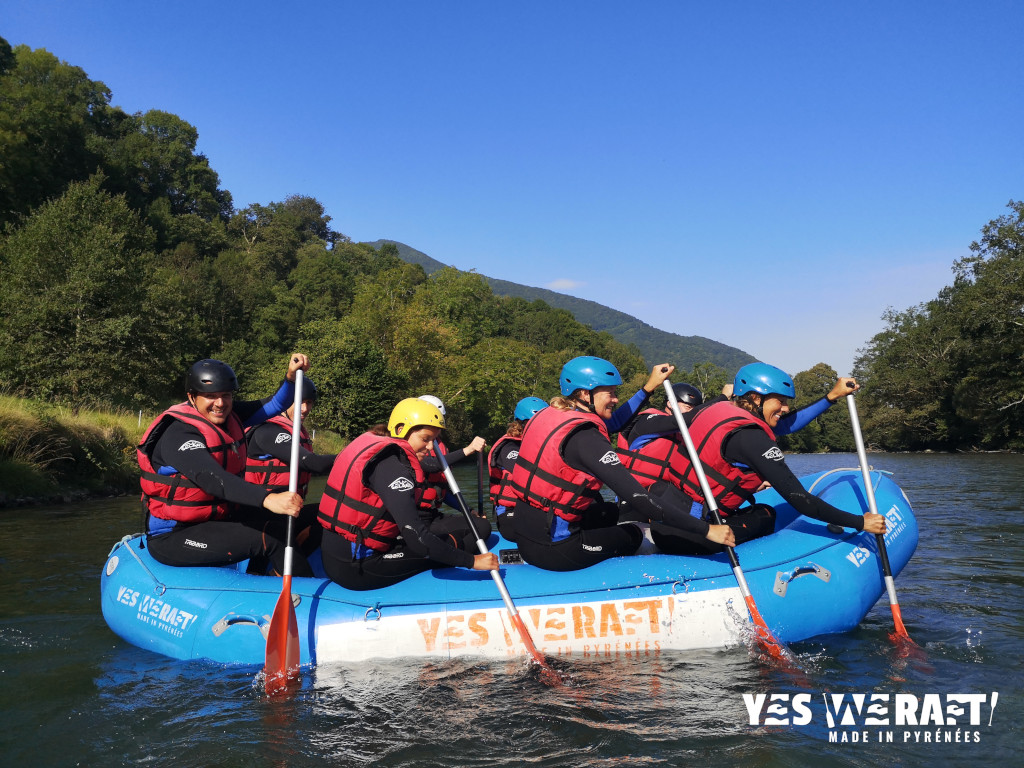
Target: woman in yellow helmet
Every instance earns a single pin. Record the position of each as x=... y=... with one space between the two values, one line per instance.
x=374 y=536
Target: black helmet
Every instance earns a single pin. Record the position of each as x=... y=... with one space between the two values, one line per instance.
x=689 y=394
x=309 y=392
x=211 y=376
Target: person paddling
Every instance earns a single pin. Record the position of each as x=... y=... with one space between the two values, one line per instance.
x=269 y=447
x=502 y=460
x=373 y=534
x=737 y=448
x=561 y=521
x=435 y=488
x=199 y=509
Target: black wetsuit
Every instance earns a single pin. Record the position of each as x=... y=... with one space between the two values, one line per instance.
x=752 y=448
x=246 y=533
x=507 y=462
x=270 y=439
x=447 y=541
x=598 y=536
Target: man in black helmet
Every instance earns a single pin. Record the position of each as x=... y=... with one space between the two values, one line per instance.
x=199 y=509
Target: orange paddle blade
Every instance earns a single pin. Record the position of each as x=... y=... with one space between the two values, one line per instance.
x=282 y=643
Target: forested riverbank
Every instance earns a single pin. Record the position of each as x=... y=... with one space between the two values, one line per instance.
x=124 y=261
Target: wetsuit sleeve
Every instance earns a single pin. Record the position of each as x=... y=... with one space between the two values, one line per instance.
x=182 y=446
x=430 y=464
x=587 y=450
x=753 y=448
x=453 y=457
x=653 y=425
x=393 y=480
x=253 y=412
x=274 y=440
x=622 y=415
x=505 y=459
x=799 y=419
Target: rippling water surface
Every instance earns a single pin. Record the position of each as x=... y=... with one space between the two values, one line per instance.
x=75 y=694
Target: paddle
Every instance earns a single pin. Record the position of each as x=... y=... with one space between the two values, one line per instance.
x=761 y=631
x=517 y=620
x=480 y=482
x=883 y=554
x=283 y=635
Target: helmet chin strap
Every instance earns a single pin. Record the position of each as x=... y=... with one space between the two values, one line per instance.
x=760 y=409
x=588 y=403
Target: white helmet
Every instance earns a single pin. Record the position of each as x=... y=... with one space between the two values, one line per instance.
x=434 y=401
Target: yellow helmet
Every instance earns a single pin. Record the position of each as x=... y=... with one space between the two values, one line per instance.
x=411 y=413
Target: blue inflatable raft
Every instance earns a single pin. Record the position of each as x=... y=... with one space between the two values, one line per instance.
x=806 y=581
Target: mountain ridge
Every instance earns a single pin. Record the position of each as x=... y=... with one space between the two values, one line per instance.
x=656 y=345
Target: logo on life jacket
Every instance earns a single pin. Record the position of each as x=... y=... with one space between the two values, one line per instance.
x=192 y=445
x=402 y=484
x=610 y=458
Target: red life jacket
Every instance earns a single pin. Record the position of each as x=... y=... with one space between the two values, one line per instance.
x=435 y=486
x=542 y=478
x=731 y=485
x=272 y=473
x=349 y=506
x=660 y=458
x=175 y=497
x=501 y=479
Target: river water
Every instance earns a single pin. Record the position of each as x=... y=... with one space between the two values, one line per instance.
x=74 y=694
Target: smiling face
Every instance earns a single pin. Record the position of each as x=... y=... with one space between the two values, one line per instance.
x=421 y=440
x=604 y=400
x=215 y=407
x=774 y=407
x=303 y=410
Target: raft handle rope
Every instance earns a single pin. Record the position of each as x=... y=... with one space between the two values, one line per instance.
x=878 y=472
x=160 y=587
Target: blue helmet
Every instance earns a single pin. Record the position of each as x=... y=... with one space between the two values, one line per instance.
x=587 y=373
x=764 y=379
x=527 y=408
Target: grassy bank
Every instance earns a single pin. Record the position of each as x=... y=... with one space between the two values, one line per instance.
x=48 y=454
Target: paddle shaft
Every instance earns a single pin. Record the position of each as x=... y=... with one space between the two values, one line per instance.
x=293 y=468
x=480 y=458
x=869 y=492
x=283 y=651
x=510 y=606
x=763 y=633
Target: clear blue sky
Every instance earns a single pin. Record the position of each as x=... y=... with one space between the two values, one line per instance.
x=771 y=175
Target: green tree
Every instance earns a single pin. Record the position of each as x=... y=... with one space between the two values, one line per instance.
x=72 y=300
x=152 y=159
x=988 y=302
x=50 y=116
x=357 y=386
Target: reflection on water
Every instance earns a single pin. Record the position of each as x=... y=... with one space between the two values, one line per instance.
x=83 y=697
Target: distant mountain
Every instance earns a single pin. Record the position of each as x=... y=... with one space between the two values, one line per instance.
x=655 y=345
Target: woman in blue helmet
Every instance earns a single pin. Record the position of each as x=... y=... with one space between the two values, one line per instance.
x=562 y=523
x=736 y=442
x=502 y=460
